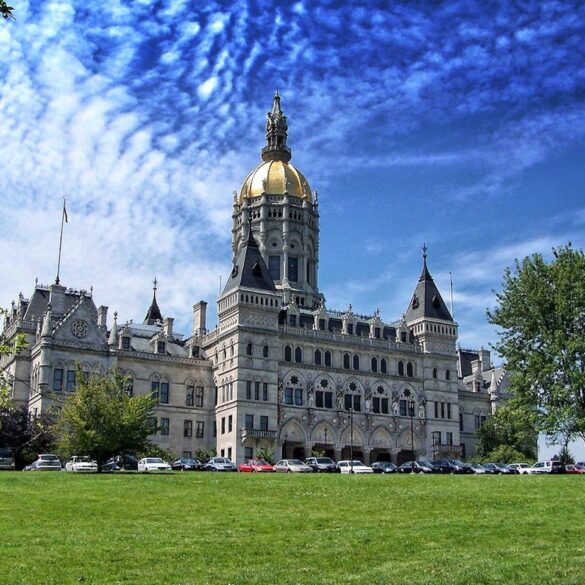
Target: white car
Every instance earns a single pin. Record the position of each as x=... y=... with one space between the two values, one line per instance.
x=544 y=467
x=81 y=464
x=347 y=466
x=292 y=466
x=521 y=468
x=153 y=464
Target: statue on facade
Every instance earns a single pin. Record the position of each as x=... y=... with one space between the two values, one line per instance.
x=339 y=400
x=421 y=408
x=368 y=403
x=310 y=393
x=395 y=404
x=280 y=392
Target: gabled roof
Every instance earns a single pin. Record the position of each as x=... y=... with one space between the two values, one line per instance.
x=427 y=300
x=249 y=270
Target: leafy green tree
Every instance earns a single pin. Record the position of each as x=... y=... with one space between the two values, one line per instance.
x=541 y=316
x=506 y=454
x=266 y=453
x=101 y=420
x=564 y=455
x=205 y=455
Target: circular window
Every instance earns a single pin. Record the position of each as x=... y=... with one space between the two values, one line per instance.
x=79 y=328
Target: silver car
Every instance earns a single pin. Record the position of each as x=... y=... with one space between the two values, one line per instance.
x=292 y=466
x=220 y=464
x=46 y=462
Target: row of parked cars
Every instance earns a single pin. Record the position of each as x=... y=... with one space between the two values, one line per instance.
x=83 y=464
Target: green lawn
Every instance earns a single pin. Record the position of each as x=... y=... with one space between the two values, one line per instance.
x=198 y=528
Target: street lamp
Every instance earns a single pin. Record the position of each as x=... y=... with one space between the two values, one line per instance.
x=351 y=439
x=411 y=415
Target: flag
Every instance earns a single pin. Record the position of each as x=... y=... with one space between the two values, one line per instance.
x=65 y=212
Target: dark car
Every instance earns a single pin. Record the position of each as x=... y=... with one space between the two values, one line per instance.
x=186 y=464
x=384 y=467
x=322 y=464
x=495 y=468
x=452 y=466
x=119 y=462
x=418 y=467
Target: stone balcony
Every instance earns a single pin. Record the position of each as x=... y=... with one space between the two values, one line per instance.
x=257 y=434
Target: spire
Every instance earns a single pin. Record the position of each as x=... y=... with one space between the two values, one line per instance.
x=153 y=315
x=425 y=274
x=113 y=338
x=47 y=330
x=276 y=134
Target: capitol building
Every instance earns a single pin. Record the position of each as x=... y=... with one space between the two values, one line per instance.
x=280 y=370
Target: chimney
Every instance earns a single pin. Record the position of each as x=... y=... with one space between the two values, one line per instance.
x=57 y=299
x=167 y=327
x=102 y=318
x=485 y=358
x=199 y=318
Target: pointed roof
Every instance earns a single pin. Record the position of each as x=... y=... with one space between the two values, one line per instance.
x=249 y=270
x=153 y=315
x=427 y=300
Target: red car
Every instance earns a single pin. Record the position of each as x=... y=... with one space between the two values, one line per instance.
x=255 y=465
x=575 y=468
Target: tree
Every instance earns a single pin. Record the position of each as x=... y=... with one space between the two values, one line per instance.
x=101 y=420
x=541 y=314
x=5 y=10
x=511 y=426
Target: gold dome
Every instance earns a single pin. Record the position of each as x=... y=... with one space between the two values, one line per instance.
x=274 y=177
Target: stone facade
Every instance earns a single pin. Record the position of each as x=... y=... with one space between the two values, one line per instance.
x=281 y=370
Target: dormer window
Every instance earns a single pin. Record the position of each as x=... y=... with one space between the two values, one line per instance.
x=195 y=351
x=125 y=342
x=160 y=347
x=350 y=329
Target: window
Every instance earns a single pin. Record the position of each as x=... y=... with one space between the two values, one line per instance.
x=442 y=410
x=357 y=403
x=151 y=424
x=274 y=267
x=164 y=393
x=190 y=396
x=58 y=379
x=293 y=269
x=164 y=426
x=249 y=421
x=385 y=406
x=346 y=361
x=195 y=351
x=265 y=391
x=374 y=364
x=256 y=390
x=447 y=375
x=187 y=454
x=125 y=343
x=230 y=420
x=350 y=328
x=409 y=370
x=129 y=386
x=293 y=320
x=223 y=425
x=70 y=381
x=328 y=359
x=347 y=401
x=317 y=357
x=248 y=452
x=449 y=438
x=435 y=373
x=403 y=336
x=376 y=404
x=187 y=428
x=263 y=423
x=214 y=428
x=160 y=347
x=249 y=349
x=448 y=410
x=377 y=332
x=248 y=390
x=401 y=368
x=328 y=399
x=383 y=366
x=402 y=406
x=288 y=395
x=436 y=409
x=199 y=396
x=356 y=362
x=200 y=430
x=322 y=324
x=436 y=437
x=288 y=354
x=298 y=355
x=479 y=420
x=298 y=396
x=460 y=421
x=265 y=351
x=154 y=389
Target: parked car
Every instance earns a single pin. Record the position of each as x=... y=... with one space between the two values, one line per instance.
x=220 y=464
x=451 y=466
x=348 y=466
x=292 y=466
x=186 y=464
x=384 y=467
x=81 y=464
x=477 y=468
x=153 y=464
x=6 y=459
x=322 y=464
x=46 y=462
x=575 y=468
x=495 y=468
x=519 y=467
x=418 y=467
x=255 y=466
x=545 y=467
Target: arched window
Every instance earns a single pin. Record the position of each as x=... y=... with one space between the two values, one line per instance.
x=409 y=371
x=249 y=349
x=356 y=362
x=374 y=364
x=298 y=355
x=265 y=351
x=383 y=366
x=288 y=354
x=317 y=357
x=328 y=359
x=401 y=368
x=346 y=361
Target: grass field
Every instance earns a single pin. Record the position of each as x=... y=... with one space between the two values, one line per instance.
x=199 y=528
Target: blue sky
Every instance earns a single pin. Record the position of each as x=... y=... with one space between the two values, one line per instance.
x=458 y=124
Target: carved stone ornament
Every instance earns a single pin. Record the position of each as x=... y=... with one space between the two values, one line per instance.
x=79 y=328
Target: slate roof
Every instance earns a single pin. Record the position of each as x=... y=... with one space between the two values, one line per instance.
x=249 y=270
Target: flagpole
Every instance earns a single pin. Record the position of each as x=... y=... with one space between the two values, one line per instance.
x=63 y=220
x=451 y=287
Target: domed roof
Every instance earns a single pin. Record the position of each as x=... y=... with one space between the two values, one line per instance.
x=274 y=177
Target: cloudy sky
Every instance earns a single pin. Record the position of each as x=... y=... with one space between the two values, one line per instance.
x=456 y=124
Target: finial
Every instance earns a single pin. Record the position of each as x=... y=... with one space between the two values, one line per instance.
x=115 y=316
x=424 y=249
x=154 y=282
